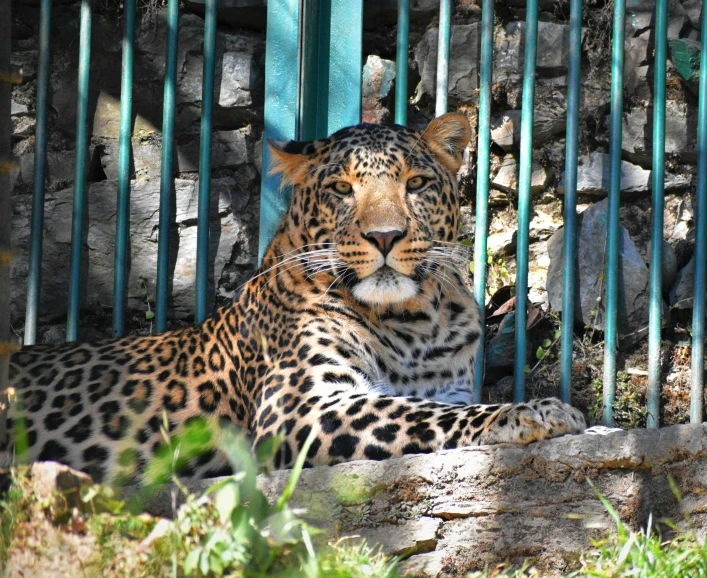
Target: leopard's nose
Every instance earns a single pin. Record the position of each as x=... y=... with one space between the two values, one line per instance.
x=384 y=240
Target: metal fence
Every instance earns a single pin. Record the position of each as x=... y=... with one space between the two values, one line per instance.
x=313 y=88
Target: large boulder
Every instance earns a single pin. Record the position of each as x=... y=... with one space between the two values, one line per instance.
x=633 y=294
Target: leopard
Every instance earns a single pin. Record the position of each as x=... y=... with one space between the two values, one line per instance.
x=357 y=334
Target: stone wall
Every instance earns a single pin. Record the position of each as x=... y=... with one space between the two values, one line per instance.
x=238 y=141
x=455 y=511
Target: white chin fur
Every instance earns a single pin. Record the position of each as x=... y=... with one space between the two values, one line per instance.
x=385 y=289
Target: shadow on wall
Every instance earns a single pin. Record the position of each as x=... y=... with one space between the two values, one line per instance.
x=235 y=160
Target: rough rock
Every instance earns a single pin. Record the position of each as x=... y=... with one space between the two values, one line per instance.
x=682 y=291
x=549 y=120
x=377 y=84
x=633 y=304
x=232 y=241
x=553 y=46
x=640 y=14
x=680 y=132
x=59 y=487
x=670 y=264
x=506 y=179
x=593 y=173
x=493 y=504
x=239 y=83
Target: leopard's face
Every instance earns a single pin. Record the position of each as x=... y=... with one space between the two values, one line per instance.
x=376 y=205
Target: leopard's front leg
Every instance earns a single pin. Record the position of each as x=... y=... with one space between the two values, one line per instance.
x=357 y=426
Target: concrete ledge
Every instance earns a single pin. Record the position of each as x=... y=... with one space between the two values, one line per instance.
x=455 y=511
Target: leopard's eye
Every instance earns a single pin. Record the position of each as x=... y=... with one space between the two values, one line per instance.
x=415 y=183
x=343 y=188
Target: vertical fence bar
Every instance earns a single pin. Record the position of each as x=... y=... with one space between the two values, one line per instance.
x=166 y=175
x=612 y=245
x=72 y=317
x=570 y=226
x=345 y=64
x=401 y=63
x=700 y=258
x=40 y=158
x=207 y=100
x=282 y=65
x=122 y=219
x=444 y=38
x=482 y=182
x=330 y=82
x=524 y=173
x=656 y=269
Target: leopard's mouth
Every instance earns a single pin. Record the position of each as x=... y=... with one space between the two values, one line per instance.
x=385 y=286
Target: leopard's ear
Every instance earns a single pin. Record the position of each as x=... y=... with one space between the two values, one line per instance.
x=290 y=159
x=447 y=136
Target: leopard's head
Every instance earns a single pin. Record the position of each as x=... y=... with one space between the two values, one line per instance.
x=374 y=206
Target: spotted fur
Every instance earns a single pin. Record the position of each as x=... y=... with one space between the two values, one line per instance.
x=357 y=325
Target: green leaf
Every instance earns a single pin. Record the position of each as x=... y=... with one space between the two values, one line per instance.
x=267 y=449
x=527 y=369
x=191 y=561
x=204 y=563
x=540 y=353
x=547 y=343
x=296 y=470
x=471 y=267
x=149 y=314
x=227 y=499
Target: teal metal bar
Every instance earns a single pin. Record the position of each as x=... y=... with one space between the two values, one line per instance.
x=444 y=38
x=282 y=65
x=166 y=176
x=570 y=217
x=330 y=81
x=524 y=172
x=656 y=269
x=207 y=101
x=122 y=219
x=482 y=182
x=612 y=245
x=345 y=65
x=40 y=158
x=72 y=317
x=401 y=63
x=700 y=259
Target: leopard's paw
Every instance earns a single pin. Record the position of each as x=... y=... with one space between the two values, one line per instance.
x=558 y=418
x=536 y=420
